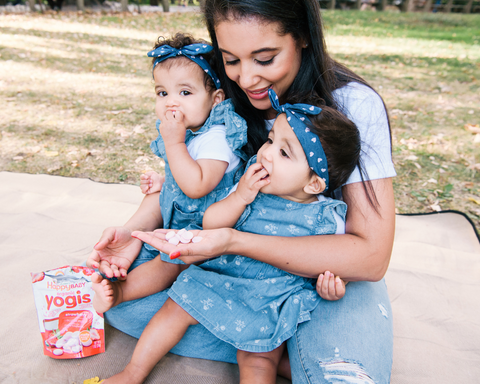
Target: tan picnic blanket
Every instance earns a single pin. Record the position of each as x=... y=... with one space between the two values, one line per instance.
x=49 y=221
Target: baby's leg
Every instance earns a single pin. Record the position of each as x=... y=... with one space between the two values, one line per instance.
x=260 y=367
x=161 y=334
x=147 y=279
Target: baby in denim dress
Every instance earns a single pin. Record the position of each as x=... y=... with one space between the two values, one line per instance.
x=254 y=306
x=200 y=139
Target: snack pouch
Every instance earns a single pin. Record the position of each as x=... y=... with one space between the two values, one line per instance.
x=69 y=325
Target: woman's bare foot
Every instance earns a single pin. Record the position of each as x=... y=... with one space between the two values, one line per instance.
x=106 y=293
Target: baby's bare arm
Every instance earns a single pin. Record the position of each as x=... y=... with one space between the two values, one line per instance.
x=225 y=213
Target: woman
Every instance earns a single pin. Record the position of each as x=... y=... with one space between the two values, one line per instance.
x=279 y=44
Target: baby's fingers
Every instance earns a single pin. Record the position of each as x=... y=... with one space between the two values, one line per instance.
x=339 y=287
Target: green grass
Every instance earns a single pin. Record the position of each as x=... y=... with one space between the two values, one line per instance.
x=78 y=99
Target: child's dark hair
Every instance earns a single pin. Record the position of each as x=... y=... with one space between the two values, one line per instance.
x=340 y=140
x=180 y=40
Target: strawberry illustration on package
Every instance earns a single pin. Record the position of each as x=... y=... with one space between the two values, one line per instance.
x=69 y=325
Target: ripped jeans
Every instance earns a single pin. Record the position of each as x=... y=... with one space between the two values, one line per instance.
x=346 y=341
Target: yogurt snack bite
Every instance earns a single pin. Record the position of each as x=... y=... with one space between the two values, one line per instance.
x=69 y=325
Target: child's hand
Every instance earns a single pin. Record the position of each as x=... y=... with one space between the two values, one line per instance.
x=251 y=182
x=151 y=182
x=173 y=128
x=330 y=287
x=115 y=252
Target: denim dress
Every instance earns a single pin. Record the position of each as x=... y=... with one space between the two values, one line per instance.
x=179 y=210
x=250 y=304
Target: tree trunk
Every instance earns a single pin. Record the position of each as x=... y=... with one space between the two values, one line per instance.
x=166 y=5
x=448 y=7
x=428 y=6
x=382 y=4
x=467 y=8
x=31 y=5
x=331 y=4
x=81 y=5
x=124 y=5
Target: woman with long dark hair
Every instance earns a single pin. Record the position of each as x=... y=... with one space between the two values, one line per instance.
x=279 y=44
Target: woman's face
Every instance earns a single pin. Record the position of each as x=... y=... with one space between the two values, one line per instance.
x=257 y=58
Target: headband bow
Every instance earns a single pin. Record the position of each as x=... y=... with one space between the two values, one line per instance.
x=296 y=116
x=192 y=52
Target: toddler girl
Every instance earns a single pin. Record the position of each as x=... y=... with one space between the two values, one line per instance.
x=249 y=304
x=200 y=139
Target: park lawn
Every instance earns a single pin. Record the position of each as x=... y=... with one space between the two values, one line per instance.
x=78 y=101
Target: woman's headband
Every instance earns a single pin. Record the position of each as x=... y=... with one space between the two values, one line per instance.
x=193 y=52
x=296 y=116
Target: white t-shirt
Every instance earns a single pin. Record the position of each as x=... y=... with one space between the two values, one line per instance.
x=365 y=108
x=213 y=145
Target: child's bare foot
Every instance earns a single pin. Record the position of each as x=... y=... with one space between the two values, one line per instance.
x=106 y=293
x=130 y=375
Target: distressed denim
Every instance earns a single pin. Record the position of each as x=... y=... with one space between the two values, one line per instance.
x=346 y=341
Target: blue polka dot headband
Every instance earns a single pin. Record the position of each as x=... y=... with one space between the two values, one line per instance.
x=192 y=52
x=296 y=116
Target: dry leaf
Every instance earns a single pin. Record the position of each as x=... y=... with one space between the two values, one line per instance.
x=474 y=200
x=141 y=159
x=123 y=133
x=51 y=153
x=472 y=128
x=435 y=207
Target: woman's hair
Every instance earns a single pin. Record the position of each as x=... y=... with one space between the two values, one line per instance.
x=318 y=73
x=178 y=41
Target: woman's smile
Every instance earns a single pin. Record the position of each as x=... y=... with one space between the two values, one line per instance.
x=257 y=94
x=258 y=57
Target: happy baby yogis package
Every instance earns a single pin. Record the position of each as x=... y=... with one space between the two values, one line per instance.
x=69 y=325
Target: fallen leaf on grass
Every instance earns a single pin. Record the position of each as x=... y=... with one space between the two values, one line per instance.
x=138 y=129
x=472 y=128
x=123 y=133
x=119 y=111
x=142 y=159
x=435 y=207
x=476 y=201
x=51 y=153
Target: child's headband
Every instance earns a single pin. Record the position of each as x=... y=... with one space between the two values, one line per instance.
x=193 y=52
x=296 y=115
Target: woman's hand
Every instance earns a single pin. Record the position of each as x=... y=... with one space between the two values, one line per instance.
x=214 y=243
x=115 y=252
